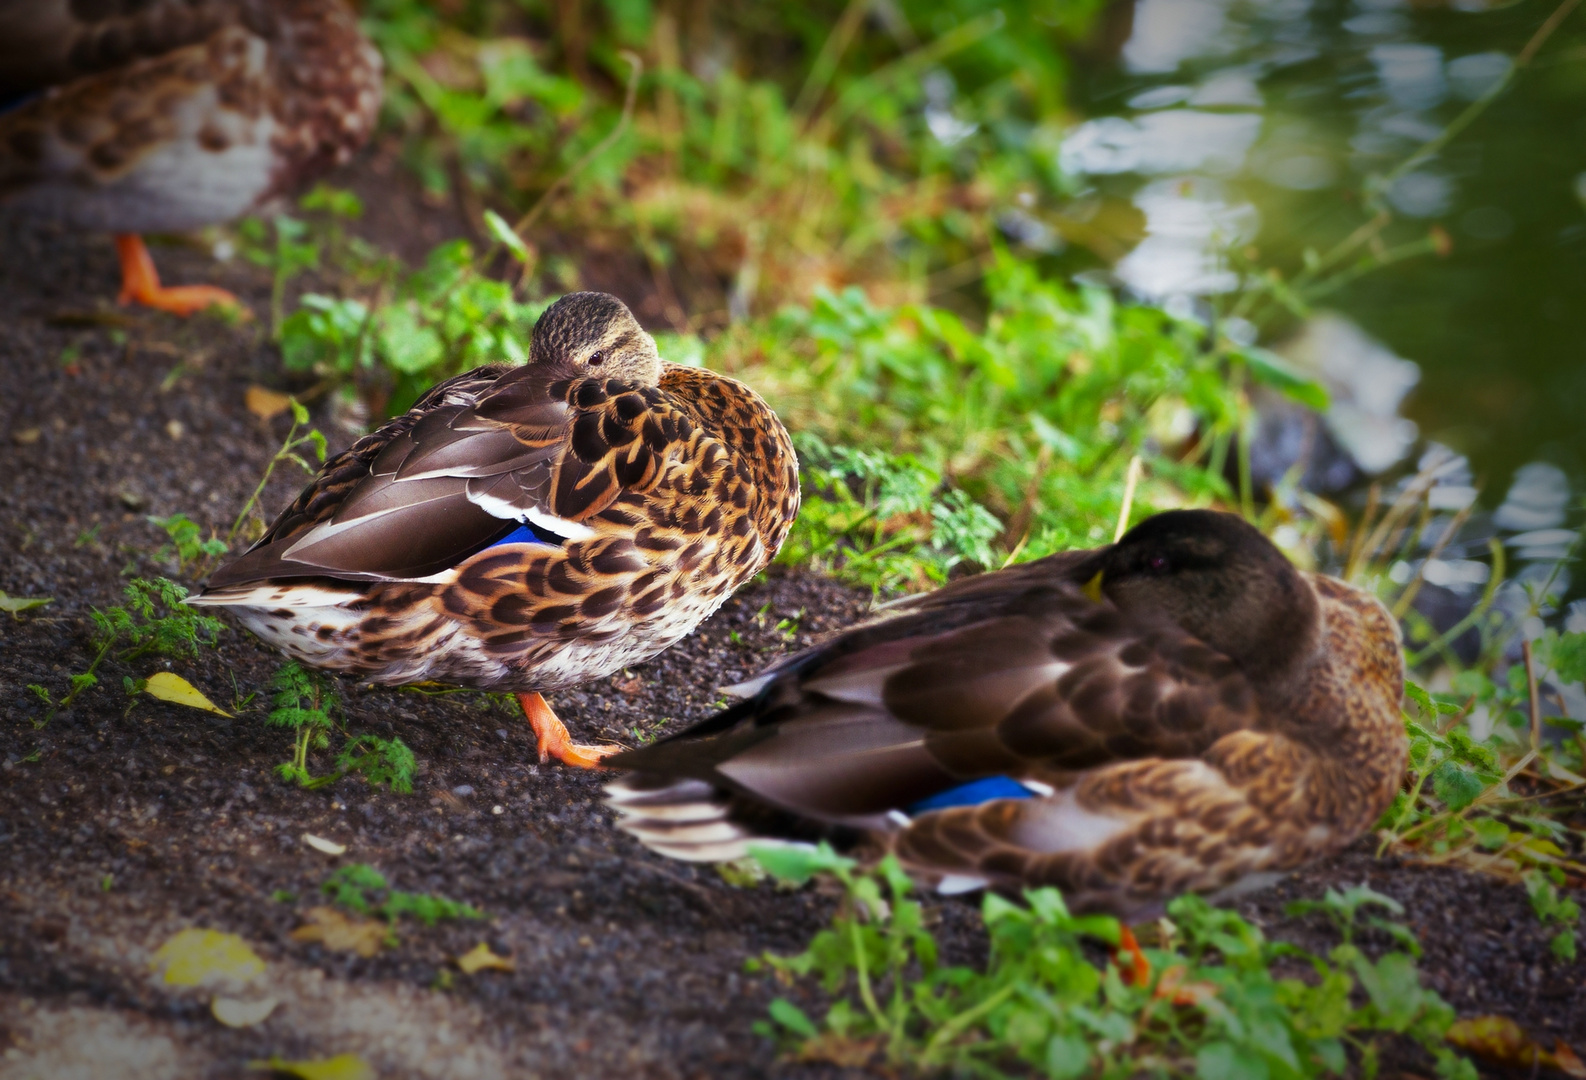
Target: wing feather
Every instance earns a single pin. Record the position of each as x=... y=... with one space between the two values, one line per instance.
x=475 y=455
x=1037 y=682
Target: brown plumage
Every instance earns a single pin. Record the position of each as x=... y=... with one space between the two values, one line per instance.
x=168 y=115
x=1181 y=711
x=527 y=529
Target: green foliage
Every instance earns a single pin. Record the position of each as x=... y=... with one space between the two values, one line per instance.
x=1554 y=909
x=292 y=449
x=443 y=318
x=152 y=622
x=186 y=541
x=927 y=443
x=1215 y=1007
x=303 y=701
x=361 y=888
x=380 y=761
x=809 y=142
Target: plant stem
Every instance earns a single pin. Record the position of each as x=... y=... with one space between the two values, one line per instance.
x=1433 y=145
x=1453 y=632
x=1535 y=702
x=950 y=1030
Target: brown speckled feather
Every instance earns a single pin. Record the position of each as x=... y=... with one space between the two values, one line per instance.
x=1159 y=763
x=168 y=116
x=652 y=503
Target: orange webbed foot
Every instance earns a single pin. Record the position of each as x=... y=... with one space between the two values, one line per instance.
x=1137 y=972
x=553 y=740
x=140 y=284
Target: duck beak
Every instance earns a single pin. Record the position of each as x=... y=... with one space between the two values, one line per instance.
x=1092 y=587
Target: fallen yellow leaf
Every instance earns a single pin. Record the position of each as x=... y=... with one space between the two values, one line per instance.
x=480 y=957
x=18 y=604
x=1501 y=1041
x=169 y=686
x=265 y=403
x=240 y=1014
x=340 y=1067
x=196 y=957
x=339 y=933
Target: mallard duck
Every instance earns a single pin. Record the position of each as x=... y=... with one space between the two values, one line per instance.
x=528 y=528
x=134 y=116
x=1182 y=711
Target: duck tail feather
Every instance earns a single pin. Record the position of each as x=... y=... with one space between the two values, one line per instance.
x=681 y=819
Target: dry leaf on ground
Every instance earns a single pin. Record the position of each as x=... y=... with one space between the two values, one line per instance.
x=169 y=686
x=480 y=957
x=340 y=1067
x=265 y=403
x=339 y=933
x=198 y=957
x=234 y=1012
x=1501 y=1041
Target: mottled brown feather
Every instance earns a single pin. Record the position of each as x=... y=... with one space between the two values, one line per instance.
x=168 y=115
x=1173 y=766
x=671 y=506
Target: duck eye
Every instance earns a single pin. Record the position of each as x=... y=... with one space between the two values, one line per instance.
x=597 y=356
x=1158 y=564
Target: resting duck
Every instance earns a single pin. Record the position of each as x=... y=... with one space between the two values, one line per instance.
x=528 y=528
x=1179 y=711
x=134 y=116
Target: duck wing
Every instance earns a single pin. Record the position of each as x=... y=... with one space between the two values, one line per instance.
x=478 y=457
x=1015 y=675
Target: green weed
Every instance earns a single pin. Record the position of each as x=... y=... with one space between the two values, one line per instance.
x=1215 y=1009
x=304 y=701
x=380 y=761
x=1554 y=909
x=363 y=889
x=187 y=545
x=152 y=622
x=292 y=449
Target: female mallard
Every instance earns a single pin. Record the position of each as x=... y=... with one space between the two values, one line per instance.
x=1179 y=711
x=528 y=528
x=167 y=115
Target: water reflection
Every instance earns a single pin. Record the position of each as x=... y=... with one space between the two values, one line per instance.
x=1260 y=122
x=1259 y=127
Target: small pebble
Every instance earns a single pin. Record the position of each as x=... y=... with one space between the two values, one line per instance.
x=175 y=429
x=463 y=789
x=498 y=809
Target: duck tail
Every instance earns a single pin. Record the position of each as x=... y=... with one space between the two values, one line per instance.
x=682 y=818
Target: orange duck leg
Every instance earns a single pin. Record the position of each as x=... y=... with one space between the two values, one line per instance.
x=553 y=739
x=140 y=284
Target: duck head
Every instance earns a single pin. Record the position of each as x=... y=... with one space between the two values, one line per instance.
x=1220 y=579
x=595 y=334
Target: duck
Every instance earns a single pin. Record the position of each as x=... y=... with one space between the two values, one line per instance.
x=1182 y=711
x=527 y=528
x=139 y=116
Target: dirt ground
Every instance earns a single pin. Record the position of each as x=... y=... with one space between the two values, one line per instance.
x=123 y=821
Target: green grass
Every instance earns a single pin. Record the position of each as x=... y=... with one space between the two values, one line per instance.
x=1217 y=1006
x=361 y=888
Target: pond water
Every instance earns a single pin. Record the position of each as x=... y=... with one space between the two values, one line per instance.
x=1256 y=127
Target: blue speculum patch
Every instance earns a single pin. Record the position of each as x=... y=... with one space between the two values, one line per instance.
x=973 y=794
x=530 y=533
